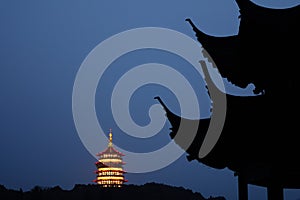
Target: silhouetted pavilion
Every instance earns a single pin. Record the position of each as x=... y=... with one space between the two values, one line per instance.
x=259 y=140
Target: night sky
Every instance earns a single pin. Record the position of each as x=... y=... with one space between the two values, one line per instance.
x=42 y=46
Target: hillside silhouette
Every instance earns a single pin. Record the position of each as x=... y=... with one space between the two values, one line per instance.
x=148 y=191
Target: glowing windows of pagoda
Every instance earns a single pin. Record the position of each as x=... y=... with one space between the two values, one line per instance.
x=110 y=172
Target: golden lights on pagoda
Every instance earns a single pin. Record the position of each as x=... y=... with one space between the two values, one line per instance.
x=110 y=171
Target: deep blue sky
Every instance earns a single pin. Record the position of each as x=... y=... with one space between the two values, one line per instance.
x=42 y=45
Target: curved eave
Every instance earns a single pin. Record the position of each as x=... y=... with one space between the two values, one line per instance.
x=100 y=165
x=206 y=39
x=193 y=150
x=224 y=51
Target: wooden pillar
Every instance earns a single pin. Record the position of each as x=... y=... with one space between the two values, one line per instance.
x=275 y=192
x=243 y=188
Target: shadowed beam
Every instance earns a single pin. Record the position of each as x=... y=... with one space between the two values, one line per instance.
x=275 y=192
x=243 y=187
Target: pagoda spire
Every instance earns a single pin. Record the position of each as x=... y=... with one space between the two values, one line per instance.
x=110 y=138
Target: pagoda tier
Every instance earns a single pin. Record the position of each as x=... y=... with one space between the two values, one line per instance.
x=109 y=164
x=113 y=171
x=110 y=171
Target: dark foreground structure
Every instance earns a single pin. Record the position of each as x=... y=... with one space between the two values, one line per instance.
x=149 y=191
x=259 y=139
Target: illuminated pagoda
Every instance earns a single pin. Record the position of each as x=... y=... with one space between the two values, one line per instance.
x=110 y=171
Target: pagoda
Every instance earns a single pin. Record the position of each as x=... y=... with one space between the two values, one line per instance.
x=110 y=171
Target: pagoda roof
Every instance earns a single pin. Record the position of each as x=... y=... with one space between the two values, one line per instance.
x=110 y=150
x=261 y=30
